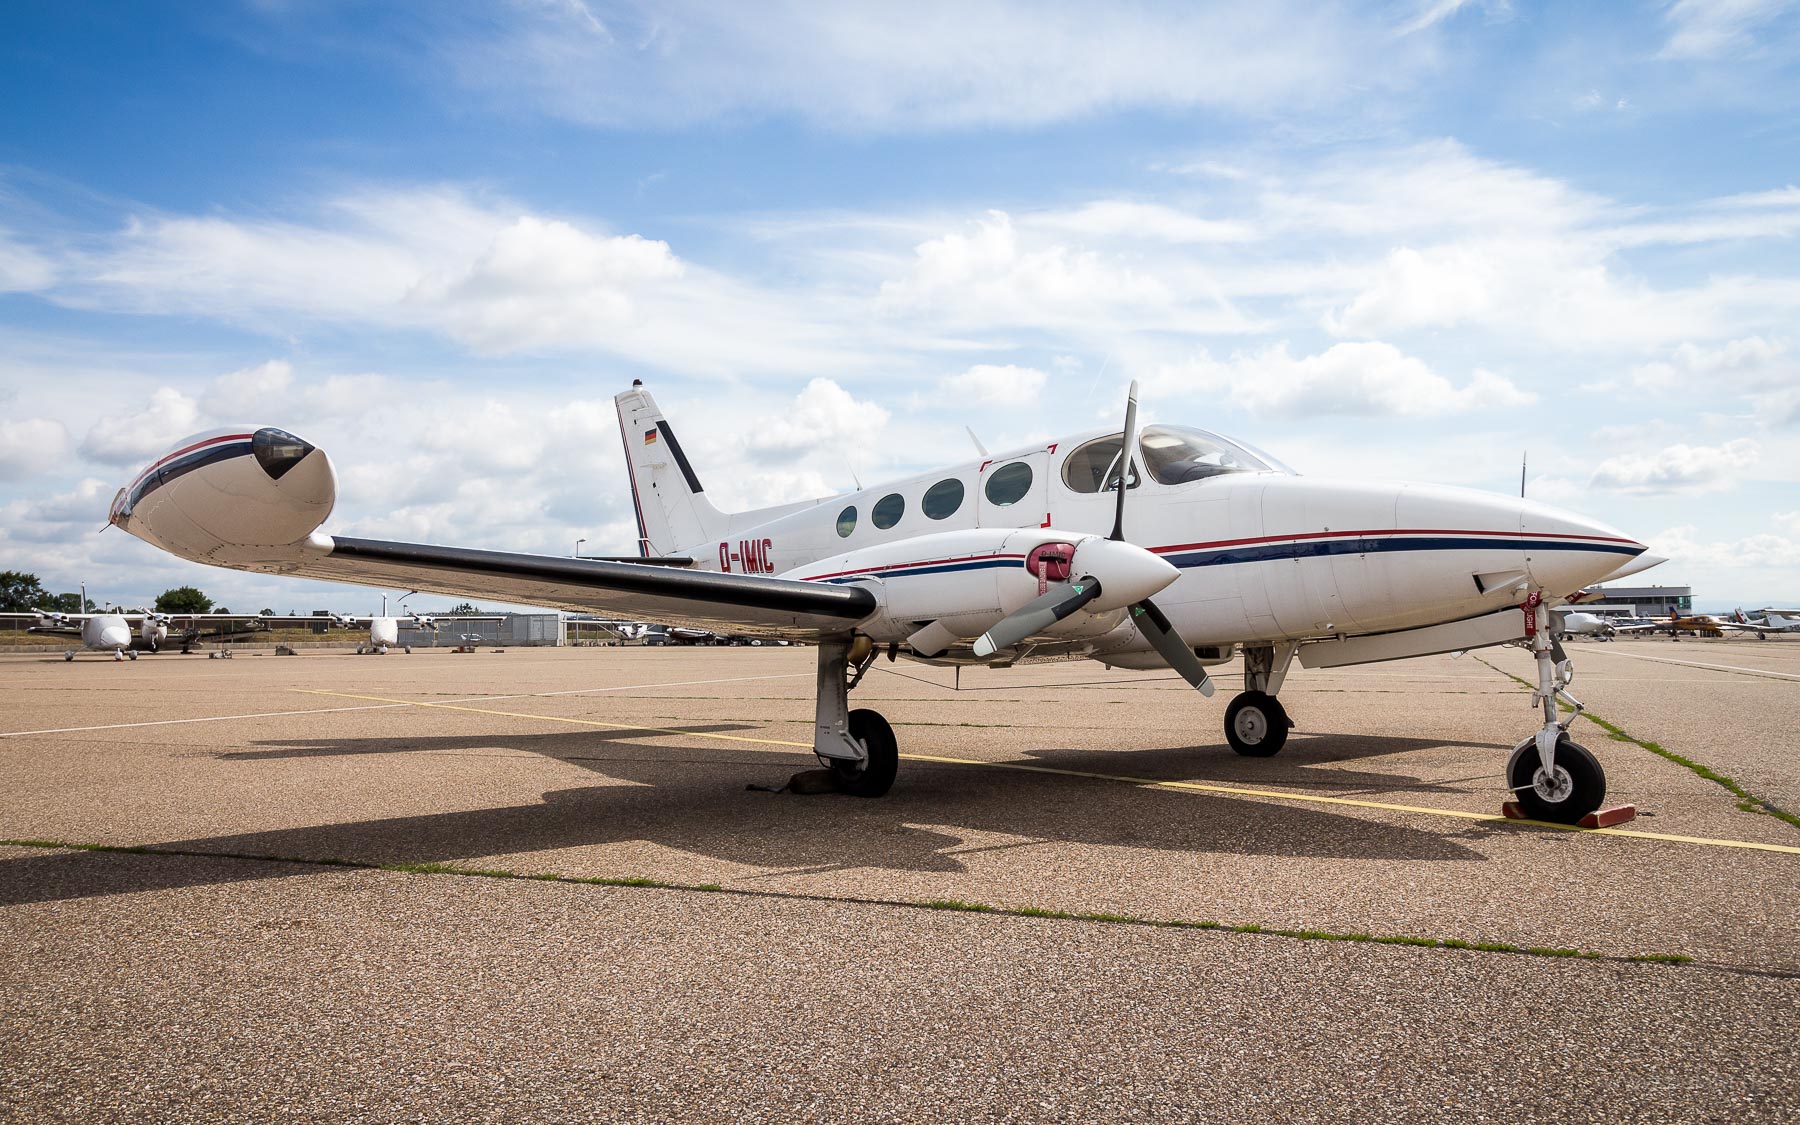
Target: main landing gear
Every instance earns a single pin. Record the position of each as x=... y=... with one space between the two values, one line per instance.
x=1554 y=777
x=857 y=746
x=1256 y=724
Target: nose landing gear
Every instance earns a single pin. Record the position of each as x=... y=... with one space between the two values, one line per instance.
x=1553 y=777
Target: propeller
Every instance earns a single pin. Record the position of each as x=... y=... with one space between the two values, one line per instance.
x=1134 y=572
x=1037 y=615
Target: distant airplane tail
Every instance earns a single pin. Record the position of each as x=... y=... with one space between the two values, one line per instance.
x=674 y=516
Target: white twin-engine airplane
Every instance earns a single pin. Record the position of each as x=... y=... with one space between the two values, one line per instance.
x=384 y=628
x=1034 y=555
x=125 y=633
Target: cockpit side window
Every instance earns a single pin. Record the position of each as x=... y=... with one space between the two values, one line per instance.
x=1091 y=467
x=1179 y=454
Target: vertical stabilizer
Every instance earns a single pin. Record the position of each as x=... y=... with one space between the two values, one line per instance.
x=674 y=517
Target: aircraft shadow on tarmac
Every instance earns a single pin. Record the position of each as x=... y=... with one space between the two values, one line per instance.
x=693 y=800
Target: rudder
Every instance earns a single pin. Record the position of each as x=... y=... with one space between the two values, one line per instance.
x=673 y=514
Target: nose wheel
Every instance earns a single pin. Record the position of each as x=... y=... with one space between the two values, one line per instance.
x=1256 y=724
x=1552 y=776
x=1572 y=787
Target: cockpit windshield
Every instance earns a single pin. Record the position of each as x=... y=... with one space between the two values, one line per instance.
x=1178 y=454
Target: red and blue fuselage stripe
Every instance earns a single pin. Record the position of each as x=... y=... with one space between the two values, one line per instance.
x=185 y=460
x=1273 y=547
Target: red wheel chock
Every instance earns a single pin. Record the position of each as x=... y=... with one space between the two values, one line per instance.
x=1599 y=818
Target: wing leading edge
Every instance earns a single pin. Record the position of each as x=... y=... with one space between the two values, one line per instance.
x=741 y=603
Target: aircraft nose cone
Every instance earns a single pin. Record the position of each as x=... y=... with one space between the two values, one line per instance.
x=1127 y=573
x=115 y=636
x=1565 y=551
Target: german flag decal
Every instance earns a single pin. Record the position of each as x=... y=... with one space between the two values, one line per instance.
x=649 y=437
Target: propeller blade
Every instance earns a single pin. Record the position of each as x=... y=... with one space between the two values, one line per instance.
x=1037 y=615
x=1151 y=622
x=1125 y=452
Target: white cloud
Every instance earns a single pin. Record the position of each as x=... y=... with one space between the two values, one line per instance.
x=136 y=435
x=995 y=384
x=30 y=445
x=1346 y=379
x=995 y=273
x=1452 y=285
x=823 y=416
x=1130 y=219
x=1679 y=468
x=245 y=394
x=1683 y=546
x=23 y=269
x=545 y=283
x=1690 y=365
x=945 y=65
x=1711 y=29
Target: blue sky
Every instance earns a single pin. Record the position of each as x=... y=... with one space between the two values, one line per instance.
x=1405 y=239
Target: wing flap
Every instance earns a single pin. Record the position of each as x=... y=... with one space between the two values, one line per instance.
x=740 y=603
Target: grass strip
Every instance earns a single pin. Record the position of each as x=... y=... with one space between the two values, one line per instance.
x=945 y=904
x=1747 y=801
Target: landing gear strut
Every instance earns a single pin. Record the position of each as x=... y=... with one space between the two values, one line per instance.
x=1256 y=724
x=857 y=746
x=1554 y=777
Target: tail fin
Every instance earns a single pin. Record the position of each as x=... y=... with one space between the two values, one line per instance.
x=673 y=514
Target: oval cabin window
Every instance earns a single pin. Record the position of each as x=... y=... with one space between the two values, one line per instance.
x=847 y=521
x=1009 y=484
x=888 y=510
x=942 y=499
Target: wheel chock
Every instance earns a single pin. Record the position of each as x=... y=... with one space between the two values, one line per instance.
x=1599 y=818
x=1606 y=818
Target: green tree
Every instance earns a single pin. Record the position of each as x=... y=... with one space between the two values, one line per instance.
x=463 y=610
x=183 y=599
x=70 y=603
x=20 y=592
x=266 y=613
x=220 y=609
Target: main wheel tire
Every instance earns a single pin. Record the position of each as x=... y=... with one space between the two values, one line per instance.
x=69 y=656
x=131 y=656
x=1575 y=788
x=874 y=776
x=1256 y=724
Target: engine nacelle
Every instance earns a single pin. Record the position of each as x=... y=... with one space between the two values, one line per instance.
x=240 y=496
x=967 y=581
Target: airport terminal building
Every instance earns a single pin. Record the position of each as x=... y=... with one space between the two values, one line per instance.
x=1641 y=601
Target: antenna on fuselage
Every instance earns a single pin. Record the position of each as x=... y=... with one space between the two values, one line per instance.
x=979 y=448
x=1522 y=460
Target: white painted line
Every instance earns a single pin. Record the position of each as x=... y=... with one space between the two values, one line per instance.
x=392 y=706
x=1697 y=664
x=204 y=719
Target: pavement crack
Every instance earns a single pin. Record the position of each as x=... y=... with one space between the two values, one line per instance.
x=1673 y=960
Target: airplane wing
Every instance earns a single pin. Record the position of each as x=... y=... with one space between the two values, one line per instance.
x=742 y=603
x=62 y=624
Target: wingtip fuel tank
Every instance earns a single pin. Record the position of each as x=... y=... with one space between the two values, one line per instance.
x=240 y=496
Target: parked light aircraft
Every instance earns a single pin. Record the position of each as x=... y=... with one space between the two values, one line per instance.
x=1576 y=623
x=1781 y=620
x=125 y=633
x=384 y=628
x=1172 y=547
x=1705 y=624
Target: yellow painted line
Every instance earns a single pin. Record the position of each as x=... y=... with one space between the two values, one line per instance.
x=1142 y=782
